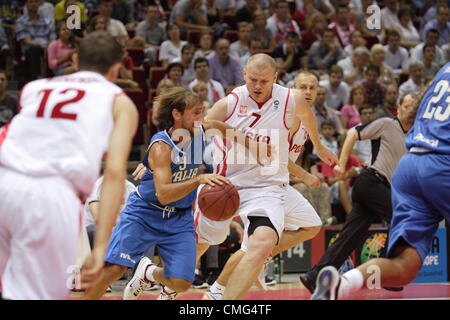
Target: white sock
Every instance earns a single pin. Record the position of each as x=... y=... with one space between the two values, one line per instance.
x=168 y=290
x=149 y=272
x=217 y=288
x=351 y=281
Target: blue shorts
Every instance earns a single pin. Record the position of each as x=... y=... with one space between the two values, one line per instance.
x=141 y=226
x=420 y=200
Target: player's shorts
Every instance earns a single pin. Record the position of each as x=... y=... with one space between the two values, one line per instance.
x=421 y=199
x=298 y=213
x=40 y=223
x=142 y=226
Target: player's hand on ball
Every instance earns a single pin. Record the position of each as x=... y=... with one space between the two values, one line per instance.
x=212 y=179
x=139 y=172
x=311 y=181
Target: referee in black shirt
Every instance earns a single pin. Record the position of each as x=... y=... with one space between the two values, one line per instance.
x=371 y=195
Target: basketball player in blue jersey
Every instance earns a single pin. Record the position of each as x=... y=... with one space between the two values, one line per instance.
x=160 y=211
x=420 y=200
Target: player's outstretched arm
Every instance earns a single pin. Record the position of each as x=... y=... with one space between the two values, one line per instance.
x=307 y=117
x=350 y=140
x=160 y=160
x=310 y=180
x=125 y=123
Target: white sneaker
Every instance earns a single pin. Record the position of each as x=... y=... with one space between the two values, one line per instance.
x=327 y=284
x=138 y=282
x=167 y=294
x=209 y=295
x=152 y=287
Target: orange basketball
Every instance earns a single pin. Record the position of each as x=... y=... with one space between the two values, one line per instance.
x=220 y=202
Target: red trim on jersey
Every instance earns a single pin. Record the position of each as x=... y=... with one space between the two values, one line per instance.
x=196 y=217
x=285 y=109
x=260 y=104
x=291 y=138
x=3 y=132
x=237 y=100
x=224 y=151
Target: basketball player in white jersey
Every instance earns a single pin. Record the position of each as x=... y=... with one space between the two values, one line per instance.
x=301 y=221
x=263 y=110
x=56 y=143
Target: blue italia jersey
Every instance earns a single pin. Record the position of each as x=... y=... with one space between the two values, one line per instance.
x=185 y=165
x=431 y=128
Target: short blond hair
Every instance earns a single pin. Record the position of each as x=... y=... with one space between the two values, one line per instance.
x=199 y=85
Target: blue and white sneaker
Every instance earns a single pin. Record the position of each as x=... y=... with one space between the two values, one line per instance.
x=327 y=284
x=138 y=282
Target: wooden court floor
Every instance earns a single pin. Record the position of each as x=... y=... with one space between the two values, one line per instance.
x=296 y=291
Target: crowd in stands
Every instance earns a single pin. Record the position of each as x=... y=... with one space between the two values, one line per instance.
x=204 y=45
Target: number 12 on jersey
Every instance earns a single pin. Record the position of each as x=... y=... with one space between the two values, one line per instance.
x=57 y=112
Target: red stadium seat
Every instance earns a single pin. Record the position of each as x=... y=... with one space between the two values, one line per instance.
x=151 y=96
x=137 y=55
x=156 y=75
x=231 y=35
x=193 y=37
x=137 y=95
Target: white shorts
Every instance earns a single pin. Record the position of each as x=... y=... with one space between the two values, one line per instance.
x=40 y=221
x=298 y=213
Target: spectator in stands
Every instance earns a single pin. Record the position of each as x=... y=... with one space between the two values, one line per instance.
x=190 y=15
x=46 y=10
x=60 y=12
x=281 y=22
x=163 y=85
x=356 y=40
x=215 y=89
x=246 y=13
x=8 y=103
x=323 y=112
x=174 y=73
x=4 y=47
x=290 y=56
x=201 y=89
x=228 y=7
x=355 y=65
x=363 y=148
x=446 y=51
x=61 y=50
x=342 y=27
x=325 y=52
x=256 y=46
x=409 y=36
x=416 y=81
x=375 y=90
x=97 y=23
x=389 y=108
x=378 y=58
x=431 y=13
x=340 y=188
x=349 y=114
x=114 y=27
x=34 y=33
x=429 y=53
x=206 y=46
x=315 y=25
x=171 y=48
x=213 y=14
x=240 y=47
x=441 y=24
x=389 y=16
x=224 y=68
x=122 y=12
x=125 y=79
x=149 y=34
x=262 y=32
x=186 y=59
x=304 y=11
x=337 y=90
x=432 y=37
x=397 y=57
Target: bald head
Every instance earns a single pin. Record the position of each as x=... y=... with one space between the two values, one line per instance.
x=261 y=61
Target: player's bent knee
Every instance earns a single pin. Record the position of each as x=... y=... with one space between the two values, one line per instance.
x=180 y=285
x=313 y=231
